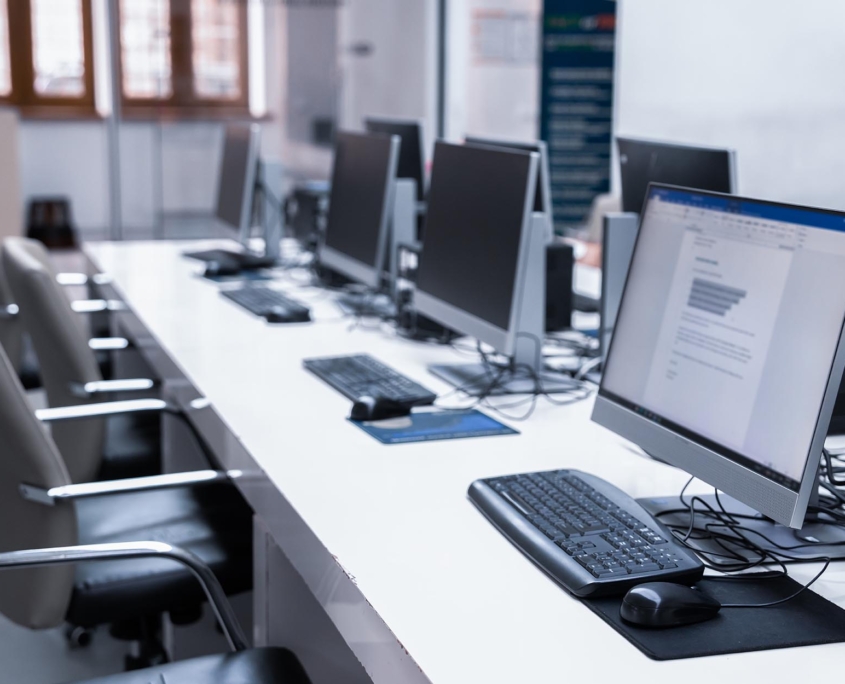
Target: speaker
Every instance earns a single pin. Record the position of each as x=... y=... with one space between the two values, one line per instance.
x=560 y=260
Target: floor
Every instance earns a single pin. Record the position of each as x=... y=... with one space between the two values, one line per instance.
x=44 y=657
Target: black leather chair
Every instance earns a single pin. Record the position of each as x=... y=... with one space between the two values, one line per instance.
x=41 y=506
x=242 y=666
x=126 y=445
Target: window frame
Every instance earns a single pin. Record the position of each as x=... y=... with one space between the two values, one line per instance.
x=183 y=103
x=22 y=68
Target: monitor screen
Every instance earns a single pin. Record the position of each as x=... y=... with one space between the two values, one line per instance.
x=542 y=203
x=411 y=156
x=476 y=215
x=643 y=162
x=728 y=329
x=364 y=164
x=237 y=175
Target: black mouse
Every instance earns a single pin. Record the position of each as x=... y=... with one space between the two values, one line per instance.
x=663 y=604
x=378 y=408
x=219 y=269
x=279 y=314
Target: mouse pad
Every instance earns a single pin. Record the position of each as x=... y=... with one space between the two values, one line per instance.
x=806 y=620
x=430 y=426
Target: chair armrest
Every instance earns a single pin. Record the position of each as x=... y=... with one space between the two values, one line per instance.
x=49 y=497
x=109 y=408
x=83 y=279
x=97 y=305
x=9 y=312
x=101 y=386
x=108 y=343
x=33 y=558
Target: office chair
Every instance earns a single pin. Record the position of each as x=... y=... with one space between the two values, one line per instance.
x=127 y=445
x=256 y=666
x=40 y=507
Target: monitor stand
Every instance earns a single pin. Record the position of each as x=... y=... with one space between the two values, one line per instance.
x=524 y=374
x=827 y=540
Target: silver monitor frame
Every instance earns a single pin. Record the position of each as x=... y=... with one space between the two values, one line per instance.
x=369 y=275
x=754 y=489
x=545 y=170
x=503 y=340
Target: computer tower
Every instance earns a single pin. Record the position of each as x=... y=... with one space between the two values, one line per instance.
x=560 y=259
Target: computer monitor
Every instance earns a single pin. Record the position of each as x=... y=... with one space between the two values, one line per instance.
x=238 y=177
x=411 y=153
x=728 y=353
x=363 y=179
x=647 y=161
x=482 y=269
x=543 y=194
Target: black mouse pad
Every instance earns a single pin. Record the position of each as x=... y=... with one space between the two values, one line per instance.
x=806 y=620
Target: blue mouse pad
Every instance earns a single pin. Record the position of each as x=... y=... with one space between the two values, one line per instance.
x=430 y=426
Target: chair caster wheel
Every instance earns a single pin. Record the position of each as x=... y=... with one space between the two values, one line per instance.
x=142 y=662
x=78 y=637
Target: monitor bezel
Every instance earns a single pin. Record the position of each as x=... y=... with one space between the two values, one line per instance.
x=369 y=275
x=244 y=230
x=420 y=127
x=777 y=501
x=731 y=152
x=503 y=340
x=545 y=170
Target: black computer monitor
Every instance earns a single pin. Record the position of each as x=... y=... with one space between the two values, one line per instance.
x=543 y=194
x=647 y=161
x=411 y=153
x=238 y=176
x=481 y=269
x=363 y=179
x=725 y=360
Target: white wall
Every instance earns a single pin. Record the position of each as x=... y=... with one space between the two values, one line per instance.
x=762 y=76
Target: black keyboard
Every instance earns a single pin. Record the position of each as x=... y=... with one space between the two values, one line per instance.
x=587 y=535
x=269 y=303
x=361 y=375
x=233 y=260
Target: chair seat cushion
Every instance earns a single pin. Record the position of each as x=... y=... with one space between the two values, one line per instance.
x=132 y=447
x=213 y=522
x=256 y=666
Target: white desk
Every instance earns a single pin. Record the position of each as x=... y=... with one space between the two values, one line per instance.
x=417 y=583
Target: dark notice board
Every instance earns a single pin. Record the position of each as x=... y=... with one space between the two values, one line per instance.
x=576 y=117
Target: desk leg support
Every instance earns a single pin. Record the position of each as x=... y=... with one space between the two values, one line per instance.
x=287 y=614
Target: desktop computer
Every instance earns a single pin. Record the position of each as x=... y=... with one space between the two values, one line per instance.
x=239 y=186
x=482 y=271
x=357 y=241
x=647 y=161
x=411 y=162
x=725 y=363
x=559 y=255
x=643 y=162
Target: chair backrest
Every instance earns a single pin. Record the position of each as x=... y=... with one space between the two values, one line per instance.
x=61 y=345
x=38 y=598
x=11 y=330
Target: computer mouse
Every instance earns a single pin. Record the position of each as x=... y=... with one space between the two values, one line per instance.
x=279 y=314
x=218 y=269
x=377 y=408
x=664 y=604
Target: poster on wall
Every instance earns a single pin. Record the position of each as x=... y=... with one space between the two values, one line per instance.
x=576 y=102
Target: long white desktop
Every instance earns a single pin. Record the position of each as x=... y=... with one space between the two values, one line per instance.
x=370 y=561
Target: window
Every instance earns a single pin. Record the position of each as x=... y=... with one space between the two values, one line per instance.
x=184 y=56
x=46 y=56
x=5 y=68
